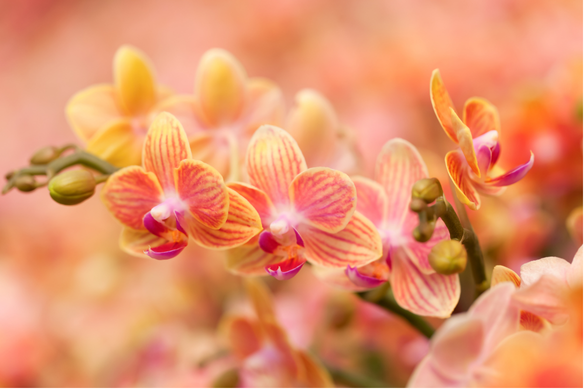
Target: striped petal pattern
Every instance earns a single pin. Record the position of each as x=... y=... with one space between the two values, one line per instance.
x=423 y=294
x=399 y=166
x=166 y=145
x=372 y=201
x=249 y=260
x=134 y=80
x=325 y=198
x=357 y=244
x=130 y=193
x=442 y=104
x=135 y=242
x=465 y=191
x=480 y=116
x=504 y=274
x=258 y=199
x=465 y=142
x=273 y=161
x=202 y=190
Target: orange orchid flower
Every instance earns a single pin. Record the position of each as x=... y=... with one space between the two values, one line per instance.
x=265 y=356
x=113 y=119
x=472 y=167
x=172 y=196
x=308 y=214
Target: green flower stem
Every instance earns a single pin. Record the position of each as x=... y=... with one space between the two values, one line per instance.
x=352 y=380
x=383 y=297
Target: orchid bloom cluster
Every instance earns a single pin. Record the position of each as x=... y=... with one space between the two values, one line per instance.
x=228 y=168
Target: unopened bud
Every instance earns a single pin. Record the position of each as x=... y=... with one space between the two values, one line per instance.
x=9 y=175
x=448 y=257
x=227 y=379
x=423 y=232
x=418 y=205
x=72 y=187
x=45 y=155
x=427 y=189
x=25 y=183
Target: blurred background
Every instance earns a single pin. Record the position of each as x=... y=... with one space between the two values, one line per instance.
x=76 y=311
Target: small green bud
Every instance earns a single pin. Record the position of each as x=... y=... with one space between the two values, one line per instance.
x=227 y=379
x=25 y=183
x=9 y=175
x=418 y=205
x=448 y=257
x=427 y=189
x=423 y=232
x=72 y=187
x=45 y=155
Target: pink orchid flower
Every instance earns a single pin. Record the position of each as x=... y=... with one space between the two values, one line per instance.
x=542 y=288
x=461 y=346
x=472 y=167
x=307 y=214
x=265 y=355
x=385 y=201
x=173 y=196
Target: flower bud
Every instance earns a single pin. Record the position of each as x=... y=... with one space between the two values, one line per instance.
x=72 y=187
x=448 y=257
x=45 y=155
x=427 y=189
x=227 y=379
x=9 y=175
x=25 y=183
x=423 y=232
x=418 y=205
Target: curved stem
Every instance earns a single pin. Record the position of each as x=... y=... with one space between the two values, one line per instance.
x=352 y=380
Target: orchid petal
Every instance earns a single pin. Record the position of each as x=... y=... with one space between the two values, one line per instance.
x=267 y=242
x=357 y=244
x=203 y=192
x=504 y=274
x=480 y=116
x=273 y=161
x=243 y=222
x=134 y=80
x=545 y=298
x=457 y=170
x=220 y=87
x=244 y=336
x=530 y=322
x=258 y=199
x=265 y=104
x=512 y=176
x=417 y=251
x=186 y=110
x=261 y=299
x=130 y=193
x=489 y=139
x=167 y=250
x=465 y=142
x=166 y=145
x=371 y=200
x=214 y=150
x=324 y=197
x=399 y=166
x=249 y=260
x=423 y=294
x=495 y=153
x=313 y=123
x=285 y=270
x=336 y=278
x=484 y=159
x=91 y=109
x=532 y=271
x=426 y=376
x=362 y=280
x=574 y=274
x=154 y=226
x=315 y=375
x=442 y=104
x=118 y=144
x=135 y=242
x=488 y=190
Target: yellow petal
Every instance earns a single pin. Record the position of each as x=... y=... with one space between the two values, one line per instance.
x=135 y=242
x=216 y=150
x=261 y=299
x=314 y=374
x=504 y=274
x=92 y=109
x=458 y=172
x=220 y=87
x=442 y=104
x=480 y=116
x=243 y=335
x=134 y=80
x=118 y=144
x=372 y=200
x=465 y=142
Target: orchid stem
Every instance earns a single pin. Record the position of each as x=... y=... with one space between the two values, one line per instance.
x=383 y=297
x=352 y=380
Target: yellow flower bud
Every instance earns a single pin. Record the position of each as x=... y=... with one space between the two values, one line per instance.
x=45 y=155
x=427 y=189
x=25 y=183
x=72 y=187
x=448 y=257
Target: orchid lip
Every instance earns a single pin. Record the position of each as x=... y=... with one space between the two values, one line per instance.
x=361 y=280
x=154 y=226
x=288 y=272
x=513 y=175
x=166 y=251
x=267 y=242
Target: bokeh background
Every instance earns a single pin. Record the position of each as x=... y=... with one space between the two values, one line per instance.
x=76 y=311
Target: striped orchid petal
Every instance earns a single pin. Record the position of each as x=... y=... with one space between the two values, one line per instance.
x=243 y=222
x=457 y=170
x=371 y=200
x=258 y=199
x=135 y=242
x=336 y=278
x=513 y=175
x=117 y=143
x=399 y=166
x=130 y=193
x=504 y=274
x=273 y=161
x=134 y=80
x=423 y=294
x=442 y=104
x=356 y=245
x=530 y=322
x=545 y=298
x=465 y=142
x=249 y=260
x=286 y=269
x=167 y=250
x=325 y=198
x=203 y=192
x=166 y=145
x=418 y=252
x=480 y=116
x=362 y=280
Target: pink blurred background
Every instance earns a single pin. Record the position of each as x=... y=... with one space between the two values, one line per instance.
x=76 y=311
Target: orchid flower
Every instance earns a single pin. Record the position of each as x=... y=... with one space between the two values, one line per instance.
x=114 y=119
x=313 y=122
x=385 y=201
x=542 y=288
x=307 y=214
x=172 y=196
x=266 y=357
x=460 y=347
x=472 y=167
